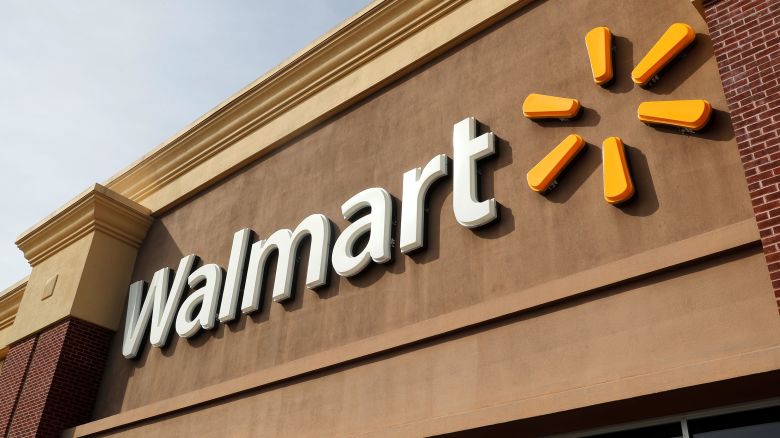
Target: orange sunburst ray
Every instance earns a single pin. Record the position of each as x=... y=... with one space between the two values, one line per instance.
x=599 y=44
x=676 y=38
x=618 y=185
x=687 y=114
x=540 y=106
x=543 y=174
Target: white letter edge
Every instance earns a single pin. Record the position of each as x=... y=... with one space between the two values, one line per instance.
x=469 y=212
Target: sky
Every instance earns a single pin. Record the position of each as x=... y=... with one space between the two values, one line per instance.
x=88 y=86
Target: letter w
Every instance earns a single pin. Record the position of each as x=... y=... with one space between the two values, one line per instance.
x=158 y=305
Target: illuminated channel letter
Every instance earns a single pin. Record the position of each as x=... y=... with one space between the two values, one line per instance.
x=416 y=184
x=235 y=271
x=676 y=38
x=159 y=306
x=288 y=243
x=204 y=299
x=599 y=44
x=544 y=173
x=618 y=186
x=688 y=114
x=540 y=106
x=467 y=149
x=377 y=222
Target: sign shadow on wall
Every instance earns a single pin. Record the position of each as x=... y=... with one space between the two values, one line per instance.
x=683 y=66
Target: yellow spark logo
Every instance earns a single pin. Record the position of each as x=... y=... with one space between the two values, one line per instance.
x=689 y=115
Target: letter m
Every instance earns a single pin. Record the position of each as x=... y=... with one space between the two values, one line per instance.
x=287 y=244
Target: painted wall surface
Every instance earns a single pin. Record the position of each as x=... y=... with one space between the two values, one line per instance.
x=686 y=186
x=583 y=352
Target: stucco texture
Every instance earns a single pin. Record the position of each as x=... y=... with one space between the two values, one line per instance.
x=686 y=185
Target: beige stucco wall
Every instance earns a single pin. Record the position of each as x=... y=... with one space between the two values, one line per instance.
x=68 y=266
x=106 y=272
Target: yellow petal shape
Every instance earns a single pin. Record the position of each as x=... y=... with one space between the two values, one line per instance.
x=618 y=186
x=691 y=114
x=599 y=44
x=671 y=43
x=544 y=173
x=540 y=106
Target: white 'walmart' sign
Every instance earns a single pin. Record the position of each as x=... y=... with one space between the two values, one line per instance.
x=211 y=302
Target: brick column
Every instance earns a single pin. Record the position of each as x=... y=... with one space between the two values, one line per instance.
x=746 y=38
x=53 y=379
x=12 y=377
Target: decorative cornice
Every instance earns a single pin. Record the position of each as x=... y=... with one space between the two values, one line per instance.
x=97 y=209
x=376 y=30
x=9 y=304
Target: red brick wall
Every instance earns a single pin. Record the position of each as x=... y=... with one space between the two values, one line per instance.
x=746 y=37
x=53 y=379
x=11 y=378
x=77 y=379
x=40 y=374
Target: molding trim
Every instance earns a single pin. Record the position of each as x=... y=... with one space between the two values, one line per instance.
x=9 y=304
x=97 y=209
x=732 y=237
x=377 y=45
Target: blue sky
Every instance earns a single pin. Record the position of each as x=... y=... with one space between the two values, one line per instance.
x=88 y=86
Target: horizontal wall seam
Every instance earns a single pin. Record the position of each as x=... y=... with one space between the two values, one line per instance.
x=764 y=359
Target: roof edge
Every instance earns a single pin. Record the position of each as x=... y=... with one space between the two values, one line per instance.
x=367 y=51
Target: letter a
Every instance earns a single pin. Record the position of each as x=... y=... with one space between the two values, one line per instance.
x=378 y=223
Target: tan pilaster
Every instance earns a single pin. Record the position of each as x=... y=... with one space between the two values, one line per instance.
x=82 y=257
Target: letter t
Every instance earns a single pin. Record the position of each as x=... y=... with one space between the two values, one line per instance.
x=469 y=212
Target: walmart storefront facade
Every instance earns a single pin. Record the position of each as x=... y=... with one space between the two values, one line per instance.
x=456 y=218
